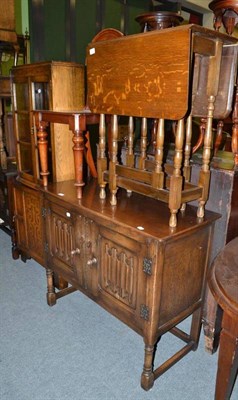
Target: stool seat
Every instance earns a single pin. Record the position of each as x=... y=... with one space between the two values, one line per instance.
x=223 y=283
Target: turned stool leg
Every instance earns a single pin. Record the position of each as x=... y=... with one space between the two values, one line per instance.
x=187 y=154
x=204 y=177
x=228 y=358
x=42 y=136
x=101 y=157
x=51 y=295
x=176 y=180
x=158 y=173
x=113 y=161
x=143 y=144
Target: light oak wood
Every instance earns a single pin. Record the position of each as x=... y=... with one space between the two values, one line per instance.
x=64 y=91
x=169 y=74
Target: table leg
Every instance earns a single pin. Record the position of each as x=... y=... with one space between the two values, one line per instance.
x=212 y=317
x=234 y=141
x=78 y=149
x=147 y=376
x=51 y=295
x=228 y=358
x=43 y=151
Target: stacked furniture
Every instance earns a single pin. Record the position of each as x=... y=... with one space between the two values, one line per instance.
x=145 y=76
x=13 y=48
x=45 y=86
x=141 y=260
x=224 y=190
x=8 y=44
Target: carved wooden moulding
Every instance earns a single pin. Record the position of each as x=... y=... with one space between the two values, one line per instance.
x=225 y=13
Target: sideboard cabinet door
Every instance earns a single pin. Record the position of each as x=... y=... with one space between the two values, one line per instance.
x=28 y=222
x=72 y=247
x=123 y=277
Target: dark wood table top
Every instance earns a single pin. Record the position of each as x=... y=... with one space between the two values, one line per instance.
x=223 y=279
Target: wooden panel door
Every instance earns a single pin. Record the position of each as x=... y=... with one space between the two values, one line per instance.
x=123 y=277
x=28 y=222
x=72 y=246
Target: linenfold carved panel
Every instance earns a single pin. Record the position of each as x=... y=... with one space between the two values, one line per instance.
x=33 y=220
x=86 y=241
x=73 y=246
x=62 y=243
x=119 y=272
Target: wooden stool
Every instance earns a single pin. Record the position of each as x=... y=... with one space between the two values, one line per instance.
x=223 y=282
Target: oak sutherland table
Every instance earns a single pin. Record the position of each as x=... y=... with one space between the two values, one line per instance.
x=170 y=74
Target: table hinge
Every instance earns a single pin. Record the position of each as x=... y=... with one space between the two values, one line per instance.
x=144 y=312
x=45 y=212
x=147 y=266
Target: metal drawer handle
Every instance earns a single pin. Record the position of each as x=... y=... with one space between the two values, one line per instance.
x=92 y=262
x=76 y=251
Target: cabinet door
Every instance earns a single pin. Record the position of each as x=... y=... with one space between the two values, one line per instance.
x=23 y=123
x=72 y=246
x=28 y=222
x=122 y=278
x=28 y=94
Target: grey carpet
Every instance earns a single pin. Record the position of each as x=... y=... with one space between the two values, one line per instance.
x=77 y=351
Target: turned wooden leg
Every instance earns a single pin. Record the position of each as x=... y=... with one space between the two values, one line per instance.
x=147 y=376
x=113 y=161
x=234 y=140
x=158 y=174
x=200 y=140
x=130 y=154
x=176 y=180
x=187 y=154
x=228 y=358
x=51 y=295
x=143 y=144
x=78 y=149
x=43 y=150
x=204 y=177
x=101 y=156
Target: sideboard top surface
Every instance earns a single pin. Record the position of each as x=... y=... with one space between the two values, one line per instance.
x=131 y=214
